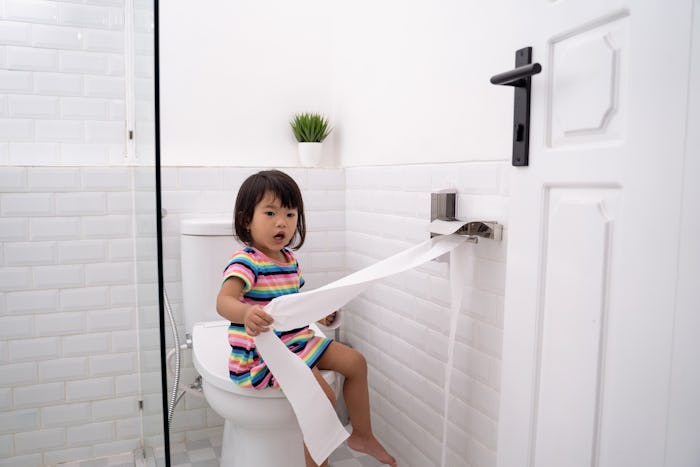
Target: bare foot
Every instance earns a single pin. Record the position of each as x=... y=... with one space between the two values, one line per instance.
x=370 y=445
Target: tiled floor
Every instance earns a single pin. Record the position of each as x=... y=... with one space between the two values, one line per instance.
x=206 y=453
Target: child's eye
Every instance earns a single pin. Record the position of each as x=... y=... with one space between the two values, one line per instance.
x=291 y=214
x=269 y=213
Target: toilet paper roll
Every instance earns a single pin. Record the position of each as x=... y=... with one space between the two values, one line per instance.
x=320 y=426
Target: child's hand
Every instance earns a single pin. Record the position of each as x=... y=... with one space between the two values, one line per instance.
x=328 y=320
x=256 y=320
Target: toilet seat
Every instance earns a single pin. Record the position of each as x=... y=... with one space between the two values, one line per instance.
x=210 y=351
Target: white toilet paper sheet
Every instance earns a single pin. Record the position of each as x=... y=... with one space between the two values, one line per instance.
x=322 y=430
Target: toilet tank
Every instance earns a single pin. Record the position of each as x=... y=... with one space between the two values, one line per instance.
x=205 y=247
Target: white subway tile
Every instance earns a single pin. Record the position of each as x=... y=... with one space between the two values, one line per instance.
x=53 y=179
x=54 y=228
x=106 y=179
x=14 y=374
x=83 y=251
x=104 y=41
x=13 y=179
x=13 y=327
x=64 y=415
x=200 y=178
x=5 y=405
x=33 y=349
x=63 y=369
x=58 y=84
x=83 y=62
x=84 y=16
x=126 y=341
x=14 y=229
x=12 y=279
x=59 y=131
x=110 y=320
x=90 y=434
x=117 y=447
x=90 y=389
x=114 y=409
x=326 y=179
x=62 y=456
x=30 y=58
x=116 y=19
x=491 y=276
x=105 y=132
x=38 y=395
x=56 y=37
x=16 y=129
x=31 y=11
x=85 y=154
x=109 y=273
x=33 y=106
x=124 y=295
x=84 y=298
x=37 y=441
x=117 y=67
x=128 y=385
x=60 y=324
x=123 y=203
x=105 y=87
x=82 y=108
x=19 y=420
x=30 y=253
x=33 y=153
x=15 y=81
x=15 y=33
x=111 y=226
x=85 y=344
x=34 y=301
x=113 y=364
x=80 y=204
x=122 y=249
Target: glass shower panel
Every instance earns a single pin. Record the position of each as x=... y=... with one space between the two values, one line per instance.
x=146 y=247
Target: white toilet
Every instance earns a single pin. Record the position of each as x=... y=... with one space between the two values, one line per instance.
x=260 y=427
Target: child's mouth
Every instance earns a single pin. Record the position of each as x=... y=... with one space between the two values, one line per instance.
x=279 y=237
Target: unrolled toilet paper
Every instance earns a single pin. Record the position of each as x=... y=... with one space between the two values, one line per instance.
x=322 y=430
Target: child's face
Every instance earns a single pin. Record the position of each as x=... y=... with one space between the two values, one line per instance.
x=273 y=226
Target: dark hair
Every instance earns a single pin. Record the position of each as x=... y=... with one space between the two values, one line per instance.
x=252 y=192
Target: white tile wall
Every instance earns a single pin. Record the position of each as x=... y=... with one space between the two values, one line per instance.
x=64 y=86
x=400 y=324
x=68 y=320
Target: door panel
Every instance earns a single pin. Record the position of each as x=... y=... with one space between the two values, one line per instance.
x=592 y=257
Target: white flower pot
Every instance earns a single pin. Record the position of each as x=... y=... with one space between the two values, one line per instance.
x=310 y=154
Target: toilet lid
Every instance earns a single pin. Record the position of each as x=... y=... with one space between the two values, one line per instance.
x=210 y=352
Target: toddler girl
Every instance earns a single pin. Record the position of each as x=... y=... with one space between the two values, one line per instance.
x=269 y=219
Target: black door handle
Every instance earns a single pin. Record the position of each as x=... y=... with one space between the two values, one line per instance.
x=520 y=78
x=516 y=77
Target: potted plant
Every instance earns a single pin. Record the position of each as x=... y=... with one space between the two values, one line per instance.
x=310 y=130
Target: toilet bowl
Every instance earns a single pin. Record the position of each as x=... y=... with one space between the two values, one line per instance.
x=260 y=428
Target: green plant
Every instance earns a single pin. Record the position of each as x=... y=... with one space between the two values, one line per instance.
x=310 y=127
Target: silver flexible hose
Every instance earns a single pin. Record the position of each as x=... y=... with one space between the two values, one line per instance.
x=173 y=399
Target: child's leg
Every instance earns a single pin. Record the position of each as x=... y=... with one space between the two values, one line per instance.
x=353 y=366
x=331 y=396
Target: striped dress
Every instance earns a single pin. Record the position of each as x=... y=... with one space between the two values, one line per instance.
x=265 y=279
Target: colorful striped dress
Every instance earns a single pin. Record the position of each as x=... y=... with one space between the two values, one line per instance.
x=265 y=279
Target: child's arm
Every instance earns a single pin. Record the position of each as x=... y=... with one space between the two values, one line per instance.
x=230 y=307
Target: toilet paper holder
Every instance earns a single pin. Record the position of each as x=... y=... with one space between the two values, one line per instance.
x=443 y=205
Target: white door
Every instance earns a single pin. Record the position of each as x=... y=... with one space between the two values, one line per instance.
x=592 y=236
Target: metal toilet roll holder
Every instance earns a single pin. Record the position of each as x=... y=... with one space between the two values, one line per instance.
x=443 y=205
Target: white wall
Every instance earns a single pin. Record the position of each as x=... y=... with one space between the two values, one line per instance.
x=403 y=82
x=234 y=73
x=411 y=82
